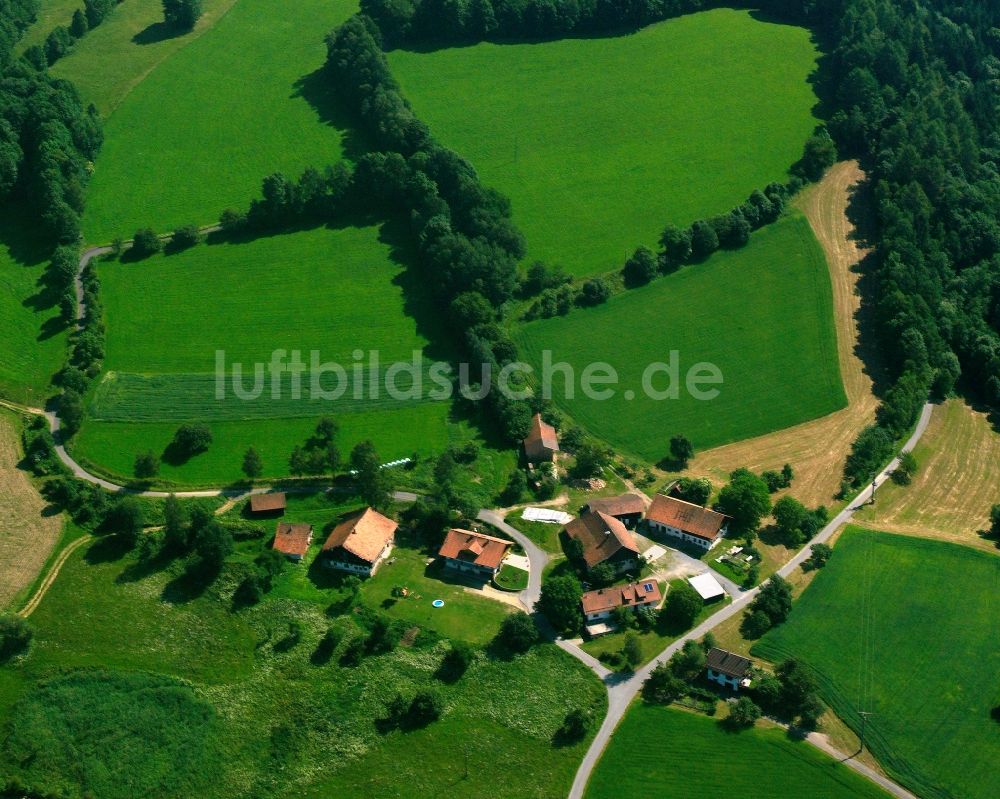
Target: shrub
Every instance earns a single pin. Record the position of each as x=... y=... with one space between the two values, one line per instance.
x=594 y=292
x=640 y=268
x=560 y=602
x=743 y=713
x=146 y=465
x=190 y=439
x=662 y=686
x=574 y=726
x=517 y=633
x=681 y=450
x=15 y=636
x=185 y=237
x=903 y=474
x=145 y=242
x=181 y=14
x=755 y=624
x=456 y=661
x=681 y=608
x=427 y=706
x=632 y=650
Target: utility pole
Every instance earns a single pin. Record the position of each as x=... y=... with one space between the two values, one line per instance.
x=864 y=723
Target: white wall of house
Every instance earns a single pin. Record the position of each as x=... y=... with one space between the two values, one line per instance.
x=666 y=529
x=724 y=679
x=466 y=566
x=357 y=568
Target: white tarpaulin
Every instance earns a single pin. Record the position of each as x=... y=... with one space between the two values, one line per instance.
x=546 y=515
x=707 y=586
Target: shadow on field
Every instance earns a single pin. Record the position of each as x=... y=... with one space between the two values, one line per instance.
x=157 y=32
x=316 y=89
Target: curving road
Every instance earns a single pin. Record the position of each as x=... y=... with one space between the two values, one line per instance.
x=538 y=558
x=622 y=689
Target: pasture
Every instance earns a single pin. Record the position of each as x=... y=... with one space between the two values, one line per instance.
x=277 y=716
x=201 y=131
x=116 y=56
x=332 y=291
x=600 y=142
x=762 y=315
x=662 y=751
x=905 y=628
x=32 y=332
x=951 y=495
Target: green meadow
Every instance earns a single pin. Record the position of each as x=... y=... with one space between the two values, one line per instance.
x=661 y=751
x=202 y=129
x=762 y=315
x=32 y=333
x=117 y=55
x=332 y=291
x=905 y=629
x=136 y=684
x=599 y=143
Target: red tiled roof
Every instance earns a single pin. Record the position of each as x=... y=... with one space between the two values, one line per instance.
x=541 y=437
x=646 y=592
x=260 y=503
x=364 y=535
x=293 y=539
x=483 y=550
x=601 y=535
x=686 y=517
x=624 y=505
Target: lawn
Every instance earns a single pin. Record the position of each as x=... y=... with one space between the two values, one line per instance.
x=202 y=129
x=249 y=300
x=690 y=756
x=600 y=142
x=951 y=495
x=512 y=578
x=545 y=535
x=905 y=628
x=762 y=315
x=652 y=641
x=186 y=679
x=32 y=333
x=113 y=58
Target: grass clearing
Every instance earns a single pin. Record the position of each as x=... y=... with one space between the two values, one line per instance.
x=619 y=136
x=249 y=300
x=905 y=628
x=689 y=755
x=951 y=495
x=762 y=315
x=275 y=718
x=50 y=14
x=238 y=103
x=818 y=470
x=32 y=332
x=115 y=57
x=28 y=532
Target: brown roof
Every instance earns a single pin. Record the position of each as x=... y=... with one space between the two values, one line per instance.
x=687 y=517
x=364 y=535
x=260 y=503
x=727 y=663
x=542 y=436
x=618 y=506
x=293 y=539
x=483 y=550
x=646 y=592
x=601 y=535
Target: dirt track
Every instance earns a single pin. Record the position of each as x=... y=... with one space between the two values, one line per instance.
x=817 y=449
x=26 y=536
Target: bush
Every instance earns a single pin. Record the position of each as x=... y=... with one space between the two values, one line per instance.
x=755 y=624
x=517 y=633
x=145 y=242
x=681 y=608
x=662 y=686
x=560 y=602
x=743 y=713
x=903 y=474
x=574 y=727
x=190 y=439
x=15 y=636
x=456 y=661
x=185 y=237
x=640 y=268
x=427 y=706
x=820 y=555
x=632 y=650
x=181 y=14
x=594 y=292
x=147 y=465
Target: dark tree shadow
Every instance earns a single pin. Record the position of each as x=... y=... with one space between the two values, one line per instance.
x=158 y=32
x=317 y=89
x=106 y=549
x=190 y=584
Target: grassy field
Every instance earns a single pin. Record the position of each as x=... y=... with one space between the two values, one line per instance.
x=32 y=334
x=333 y=291
x=762 y=315
x=905 y=628
x=690 y=756
x=205 y=126
x=951 y=495
x=123 y=50
x=28 y=534
x=619 y=136
x=276 y=717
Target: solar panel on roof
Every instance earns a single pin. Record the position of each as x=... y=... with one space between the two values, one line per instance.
x=647 y=586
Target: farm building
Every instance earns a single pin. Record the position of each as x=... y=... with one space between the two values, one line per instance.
x=627 y=508
x=686 y=521
x=727 y=669
x=268 y=504
x=473 y=553
x=293 y=540
x=361 y=543
x=541 y=443
x=600 y=604
x=604 y=540
x=707 y=586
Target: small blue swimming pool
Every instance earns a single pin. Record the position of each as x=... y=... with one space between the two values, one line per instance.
x=438 y=603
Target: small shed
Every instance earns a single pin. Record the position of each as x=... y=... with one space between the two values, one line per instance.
x=707 y=586
x=268 y=504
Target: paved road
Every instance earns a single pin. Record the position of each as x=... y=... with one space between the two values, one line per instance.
x=623 y=689
x=537 y=557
